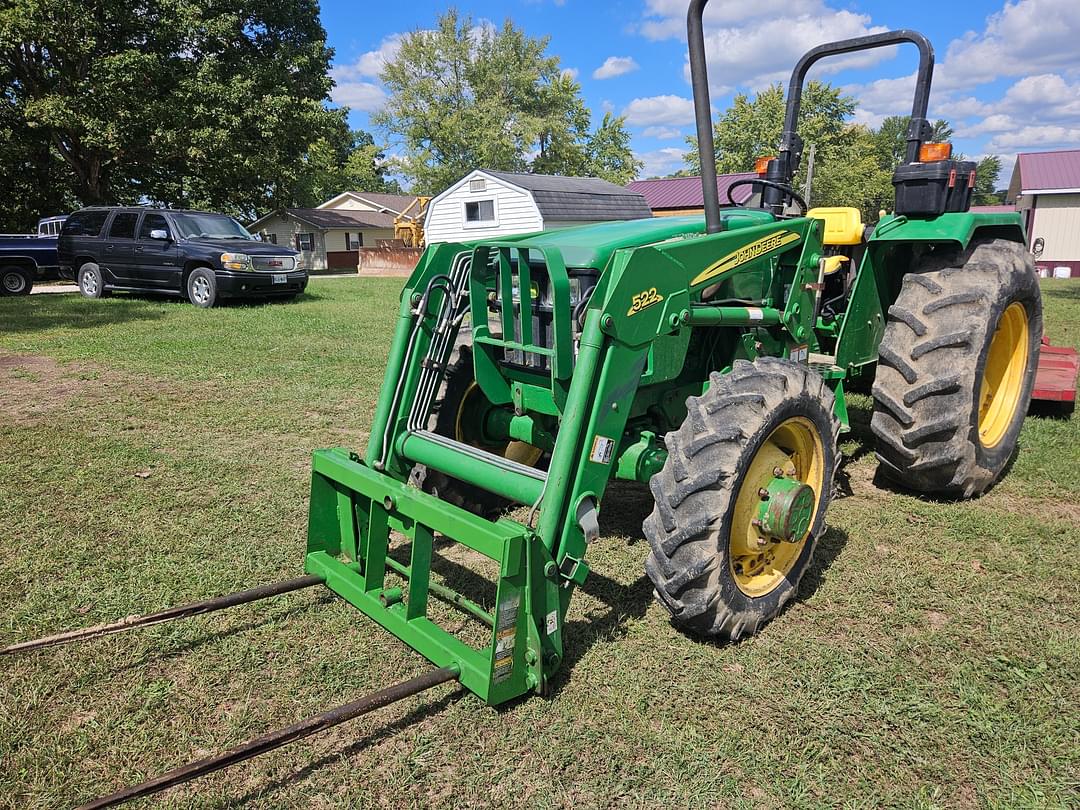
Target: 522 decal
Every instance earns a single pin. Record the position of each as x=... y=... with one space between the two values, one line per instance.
x=644 y=299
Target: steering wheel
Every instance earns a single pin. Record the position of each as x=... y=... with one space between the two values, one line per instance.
x=787 y=191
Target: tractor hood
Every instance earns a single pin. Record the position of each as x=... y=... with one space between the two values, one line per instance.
x=592 y=245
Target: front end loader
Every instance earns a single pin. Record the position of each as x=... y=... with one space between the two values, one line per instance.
x=705 y=358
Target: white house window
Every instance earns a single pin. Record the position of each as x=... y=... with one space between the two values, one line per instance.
x=271 y=238
x=305 y=242
x=478 y=184
x=481 y=211
x=355 y=241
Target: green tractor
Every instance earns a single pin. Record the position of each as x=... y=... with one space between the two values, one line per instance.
x=707 y=359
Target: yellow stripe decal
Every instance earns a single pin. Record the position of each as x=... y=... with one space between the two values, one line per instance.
x=745 y=254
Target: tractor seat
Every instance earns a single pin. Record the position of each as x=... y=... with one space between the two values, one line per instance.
x=843 y=226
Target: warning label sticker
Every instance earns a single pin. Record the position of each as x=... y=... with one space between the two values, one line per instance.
x=602 y=448
x=800 y=354
x=552 y=622
x=505 y=636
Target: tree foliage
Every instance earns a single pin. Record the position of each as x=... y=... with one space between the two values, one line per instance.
x=464 y=97
x=342 y=160
x=846 y=170
x=986 y=180
x=205 y=103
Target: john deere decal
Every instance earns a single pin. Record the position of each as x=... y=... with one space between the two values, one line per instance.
x=745 y=254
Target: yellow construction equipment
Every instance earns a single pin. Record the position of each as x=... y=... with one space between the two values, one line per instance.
x=409 y=227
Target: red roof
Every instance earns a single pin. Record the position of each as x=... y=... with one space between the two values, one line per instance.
x=685 y=192
x=1049 y=170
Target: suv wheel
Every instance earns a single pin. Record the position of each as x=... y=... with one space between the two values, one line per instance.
x=15 y=281
x=202 y=287
x=90 y=282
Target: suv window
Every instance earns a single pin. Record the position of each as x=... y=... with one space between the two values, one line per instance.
x=123 y=226
x=85 y=223
x=152 y=222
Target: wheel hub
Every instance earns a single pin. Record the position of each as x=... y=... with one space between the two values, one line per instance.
x=786 y=510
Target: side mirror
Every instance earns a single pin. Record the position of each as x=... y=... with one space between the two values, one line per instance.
x=159 y=234
x=1037 y=248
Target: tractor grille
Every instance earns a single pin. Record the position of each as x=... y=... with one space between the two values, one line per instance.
x=524 y=320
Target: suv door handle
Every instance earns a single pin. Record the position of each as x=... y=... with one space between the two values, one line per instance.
x=138 y=249
x=108 y=248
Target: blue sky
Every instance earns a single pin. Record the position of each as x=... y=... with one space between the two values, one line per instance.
x=1008 y=72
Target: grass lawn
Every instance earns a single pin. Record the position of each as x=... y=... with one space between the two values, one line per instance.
x=152 y=453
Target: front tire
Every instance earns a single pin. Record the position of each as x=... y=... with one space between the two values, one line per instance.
x=202 y=287
x=956 y=369
x=91 y=284
x=721 y=562
x=15 y=280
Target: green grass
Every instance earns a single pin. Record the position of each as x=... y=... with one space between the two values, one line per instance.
x=931 y=660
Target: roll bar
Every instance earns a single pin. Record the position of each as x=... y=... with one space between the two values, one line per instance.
x=783 y=168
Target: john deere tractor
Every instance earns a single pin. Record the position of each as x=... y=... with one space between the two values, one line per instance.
x=705 y=357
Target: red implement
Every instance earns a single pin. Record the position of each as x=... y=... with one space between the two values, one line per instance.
x=1055 y=381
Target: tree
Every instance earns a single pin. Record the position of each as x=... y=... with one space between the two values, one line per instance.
x=846 y=170
x=986 y=178
x=464 y=97
x=343 y=160
x=608 y=153
x=208 y=103
x=891 y=138
x=751 y=127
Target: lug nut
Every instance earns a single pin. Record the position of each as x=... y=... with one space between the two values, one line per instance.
x=777 y=472
x=763 y=494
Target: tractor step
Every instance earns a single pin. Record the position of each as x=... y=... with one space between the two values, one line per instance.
x=825 y=365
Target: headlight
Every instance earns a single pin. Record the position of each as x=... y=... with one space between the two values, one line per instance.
x=235 y=261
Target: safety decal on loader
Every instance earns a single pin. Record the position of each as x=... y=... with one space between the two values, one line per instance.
x=746 y=254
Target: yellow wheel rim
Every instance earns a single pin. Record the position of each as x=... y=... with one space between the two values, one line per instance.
x=1003 y=376
x=521 y=452
x=759 y=564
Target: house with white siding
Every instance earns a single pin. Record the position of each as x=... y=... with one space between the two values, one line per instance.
x=488 y=204
x=330 y=236
x=1046 y=189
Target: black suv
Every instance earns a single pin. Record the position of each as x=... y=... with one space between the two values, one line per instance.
x=204 y=257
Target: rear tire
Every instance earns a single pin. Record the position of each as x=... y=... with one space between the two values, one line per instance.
x=15 y=280
x=718 y=460
x=956 y=369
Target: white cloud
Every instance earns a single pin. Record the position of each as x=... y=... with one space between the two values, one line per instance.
x=362 y=96
x=571 y=73
x=662 y=161
x=757 y=43
x=662 y=133
x=1024 y=37
x=615 y=66
x=370 y=64
x=659 y=111
x=666 y=19
x=1035 y=137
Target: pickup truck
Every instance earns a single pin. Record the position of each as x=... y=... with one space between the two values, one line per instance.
x=24 y=259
